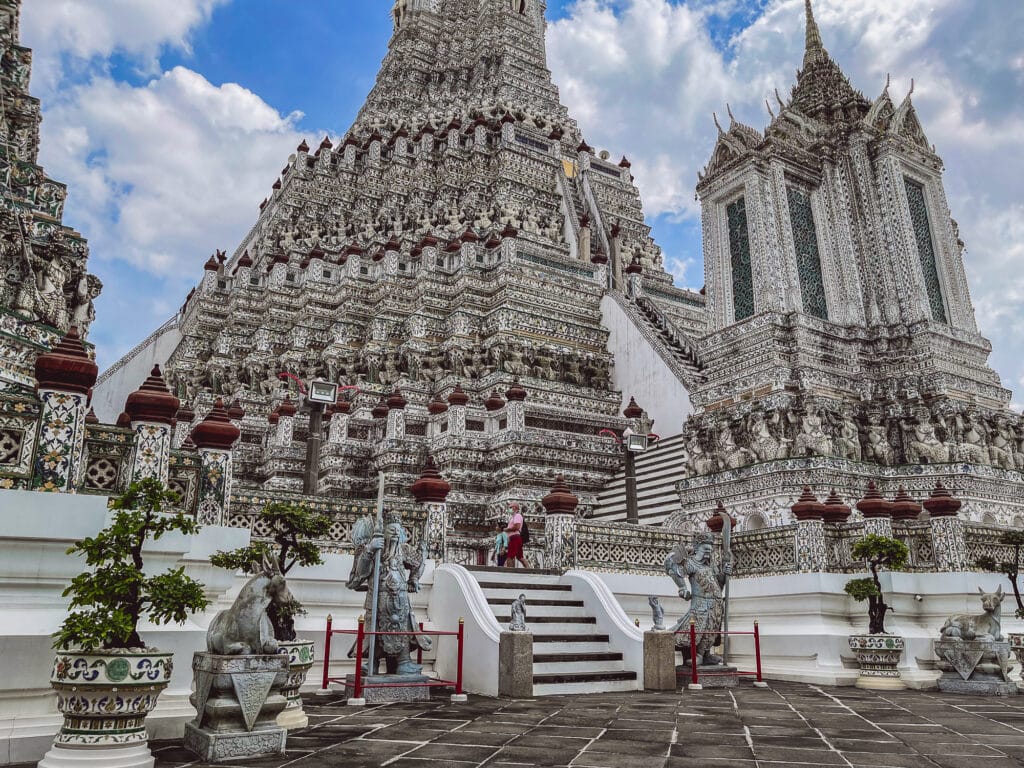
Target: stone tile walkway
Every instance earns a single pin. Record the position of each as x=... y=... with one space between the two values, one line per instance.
x=786 y=725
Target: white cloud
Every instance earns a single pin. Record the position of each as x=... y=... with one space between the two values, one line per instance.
x=161 y=175
x=86 y=29
x=643 y=76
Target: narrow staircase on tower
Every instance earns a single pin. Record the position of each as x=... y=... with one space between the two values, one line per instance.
x=658 y=469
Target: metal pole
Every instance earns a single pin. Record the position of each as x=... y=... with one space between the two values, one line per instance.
x=313 y=443
x=726 y=558
x=371 y=666
x=327 y=652
x=358 y=693
x=757 y=650
x=693 y=654
x=419 y=650
x=632 y=513
x=458 y=678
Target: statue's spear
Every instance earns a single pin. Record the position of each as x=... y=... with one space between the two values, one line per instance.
x=726 y=558
x=375 y=588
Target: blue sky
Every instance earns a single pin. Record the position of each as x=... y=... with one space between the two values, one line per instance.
x=170 y=121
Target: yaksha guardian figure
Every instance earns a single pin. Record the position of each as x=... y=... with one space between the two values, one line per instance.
x=401 y=566
x=693 y=571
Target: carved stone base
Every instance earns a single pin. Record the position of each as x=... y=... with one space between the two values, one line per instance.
x=238 y=699
x=708 y=676
x=215 y=747
x=975 y=667
x=389 y=695
x=659 y=661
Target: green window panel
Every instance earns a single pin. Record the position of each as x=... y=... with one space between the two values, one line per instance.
x=808 y=258
x=925 y=248
x=739 y=249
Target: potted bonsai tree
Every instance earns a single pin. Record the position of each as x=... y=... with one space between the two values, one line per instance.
x=878 y=653
x=107 y=680
x=1014 y=540
x=295 y=529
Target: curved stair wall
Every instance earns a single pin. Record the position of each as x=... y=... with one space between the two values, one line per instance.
x=457 y=594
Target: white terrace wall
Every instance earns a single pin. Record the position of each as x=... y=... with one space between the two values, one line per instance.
x=804 y=618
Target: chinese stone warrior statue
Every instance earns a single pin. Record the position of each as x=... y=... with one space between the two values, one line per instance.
x=401 y=566
x=700 y=582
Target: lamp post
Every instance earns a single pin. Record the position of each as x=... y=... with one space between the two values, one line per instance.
x=321 y=393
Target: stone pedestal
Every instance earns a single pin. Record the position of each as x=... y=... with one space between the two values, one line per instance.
x=411 y=692
x=515 y=665
x=708 y=676
x=659 y=661
x=975 y=667
x=238 y=699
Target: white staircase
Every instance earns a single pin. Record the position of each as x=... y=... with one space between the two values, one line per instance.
x=657 y=471
x=570 y=654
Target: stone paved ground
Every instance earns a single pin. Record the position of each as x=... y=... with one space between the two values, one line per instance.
x=787 y=725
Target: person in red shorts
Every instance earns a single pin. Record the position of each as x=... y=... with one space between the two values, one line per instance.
x=515 y=538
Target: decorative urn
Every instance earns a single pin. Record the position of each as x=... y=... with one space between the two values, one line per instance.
x=878 y=657
x=104 y=697
x=300 y=660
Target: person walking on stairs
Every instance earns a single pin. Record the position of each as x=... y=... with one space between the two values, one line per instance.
x=516 y=530
x=500 y=552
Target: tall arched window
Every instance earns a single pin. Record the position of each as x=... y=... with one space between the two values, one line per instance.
x=925 y=248
x=739 y=250
x=808 y=259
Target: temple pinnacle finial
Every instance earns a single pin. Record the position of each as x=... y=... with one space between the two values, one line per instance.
x=814 y=49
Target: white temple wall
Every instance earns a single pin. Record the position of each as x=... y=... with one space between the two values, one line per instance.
x=641 y=373
x=125 y=376
x=804 y=618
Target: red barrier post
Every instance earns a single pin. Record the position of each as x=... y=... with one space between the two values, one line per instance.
x=693 y=652
x=358 y=692
x=327 y=652
x=419 y=651
x=757 y=650
x=458 y=676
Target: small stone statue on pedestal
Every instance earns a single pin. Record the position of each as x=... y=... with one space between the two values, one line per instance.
x=518 y=623
x=973 y=655
x=657 y=614
x=238 y=679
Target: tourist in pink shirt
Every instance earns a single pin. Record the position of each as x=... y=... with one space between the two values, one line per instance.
x=515 y=538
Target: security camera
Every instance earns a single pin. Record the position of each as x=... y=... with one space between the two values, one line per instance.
x=919 y=598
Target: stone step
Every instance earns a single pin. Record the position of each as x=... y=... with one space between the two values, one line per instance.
x=506 y=585
x=544 y=612
x=545 y=658
x=583 y=677
x=567 y=639
x=561 y=646
x=577 y=667
x=506 y=576
x=544 y=603
x=502 y=569
x=556 y=620
x=576 y=688
x=511 y=593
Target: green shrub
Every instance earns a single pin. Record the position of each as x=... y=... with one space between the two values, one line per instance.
x=879 y=552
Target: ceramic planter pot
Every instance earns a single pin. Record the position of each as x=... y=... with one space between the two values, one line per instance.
x=1017 y=646
x=879 y=658
x=104 y=697
x=300 y=660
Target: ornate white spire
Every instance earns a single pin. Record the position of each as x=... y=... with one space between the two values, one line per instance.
x=814 y=49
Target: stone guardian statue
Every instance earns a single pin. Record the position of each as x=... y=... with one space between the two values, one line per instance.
x=692 y=569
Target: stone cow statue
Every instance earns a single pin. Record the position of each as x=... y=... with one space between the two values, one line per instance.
x=245 y=628
x=987 y=626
